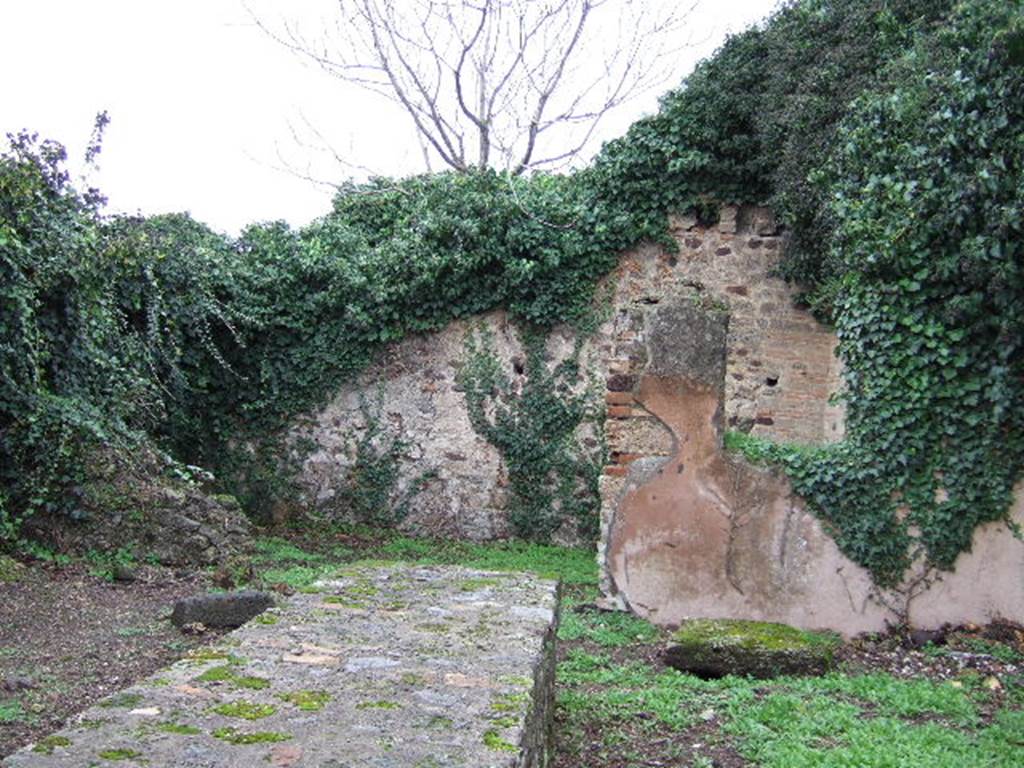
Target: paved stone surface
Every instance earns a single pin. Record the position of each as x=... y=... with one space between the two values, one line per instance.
x=384 y=667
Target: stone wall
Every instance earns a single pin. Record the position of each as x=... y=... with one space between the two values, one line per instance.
x=697 y=340
x=690 y=531
x=781 y=371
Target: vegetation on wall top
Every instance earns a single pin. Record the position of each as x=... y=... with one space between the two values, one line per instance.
x=885 y=132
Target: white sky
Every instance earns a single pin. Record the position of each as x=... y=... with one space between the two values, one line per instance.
x=201 y=100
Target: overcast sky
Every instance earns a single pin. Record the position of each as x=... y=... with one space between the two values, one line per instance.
x=201 y=101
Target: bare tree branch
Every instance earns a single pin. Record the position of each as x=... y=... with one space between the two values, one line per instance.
x=512 y=84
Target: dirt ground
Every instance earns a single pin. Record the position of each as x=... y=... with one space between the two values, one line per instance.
x=68 y=638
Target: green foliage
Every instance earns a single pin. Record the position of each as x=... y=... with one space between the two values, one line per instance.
x=105 y=565
x=886 y=133
x=367 y=497
x=67 y=375
x=535 y=423
x=918 y=219
x=11 y=711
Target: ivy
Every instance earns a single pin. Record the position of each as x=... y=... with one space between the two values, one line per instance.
x=923 y=275
x=547 y=425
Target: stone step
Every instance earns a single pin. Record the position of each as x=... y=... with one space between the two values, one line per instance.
x=385 y=666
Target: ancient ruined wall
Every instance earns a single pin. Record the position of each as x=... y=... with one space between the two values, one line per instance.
x=781 y=370
x=452 y=482
x=697 y=341
x=705 y=340
x=450 y=478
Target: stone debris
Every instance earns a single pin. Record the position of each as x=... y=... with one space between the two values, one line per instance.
x=222 y=610
x=408 y=667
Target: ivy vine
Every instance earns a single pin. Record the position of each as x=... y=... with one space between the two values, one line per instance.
x=547 y=423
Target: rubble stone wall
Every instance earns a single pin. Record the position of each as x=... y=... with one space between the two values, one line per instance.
x=780 y=373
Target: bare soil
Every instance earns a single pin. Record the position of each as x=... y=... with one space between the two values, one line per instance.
x=69 y=638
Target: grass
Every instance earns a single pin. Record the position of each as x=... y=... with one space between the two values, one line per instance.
x=618 y=706
x=11 y=711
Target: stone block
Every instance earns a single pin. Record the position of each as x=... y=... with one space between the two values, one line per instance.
x=716 y=648
x=223 y=611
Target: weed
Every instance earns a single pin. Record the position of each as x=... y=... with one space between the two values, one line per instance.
x=11 y=711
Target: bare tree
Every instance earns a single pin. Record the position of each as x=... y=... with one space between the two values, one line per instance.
x=509 y=84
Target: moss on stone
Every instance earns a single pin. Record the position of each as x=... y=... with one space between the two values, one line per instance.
x=234 y=736
x=216 y=675
x=309 y=701
x=247 y=710
x=203 y=655
x=266 y=618
x=50 y=743
x=179 y=728
x=753 y=634
x=493 y=740
x=345 y=602
x=472 y=585
x=225 y=674
x=718 y=647
x=122 y=700
x=119 y=754
x=508 y=702
x=379 y=704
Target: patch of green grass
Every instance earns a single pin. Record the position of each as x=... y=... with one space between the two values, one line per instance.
x=267 y=618
x=271 y=549
x=572 y=566
x=119 y=754
x=245 y=710
x=225 y=674
x=784 y=730
x=607 y=629
x=298 y=577
x=309 y=701
x=892 y=697
x=50 y=743
x=234 y=736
